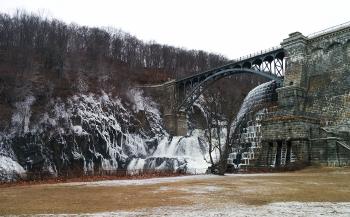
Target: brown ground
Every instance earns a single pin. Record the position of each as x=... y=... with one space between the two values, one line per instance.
x=309 y=185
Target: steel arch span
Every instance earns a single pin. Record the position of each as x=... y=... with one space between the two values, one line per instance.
x=269 y=64
x=191 y=96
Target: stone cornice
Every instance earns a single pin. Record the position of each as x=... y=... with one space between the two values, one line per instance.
x=294 y=38
x=328 y=35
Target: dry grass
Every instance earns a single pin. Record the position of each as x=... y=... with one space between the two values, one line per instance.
x=74 y=199
x=310 y=185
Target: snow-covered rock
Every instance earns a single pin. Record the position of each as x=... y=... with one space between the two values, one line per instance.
x=10 y=169
x=90 y=132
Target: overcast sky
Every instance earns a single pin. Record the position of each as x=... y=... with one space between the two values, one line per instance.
x=232 y=28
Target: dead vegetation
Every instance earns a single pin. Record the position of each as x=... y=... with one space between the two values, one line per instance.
x=42 y=178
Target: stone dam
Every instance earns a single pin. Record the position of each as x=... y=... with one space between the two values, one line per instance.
x=309 y=119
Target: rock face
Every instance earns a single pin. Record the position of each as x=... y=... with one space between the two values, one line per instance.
x=87 y=133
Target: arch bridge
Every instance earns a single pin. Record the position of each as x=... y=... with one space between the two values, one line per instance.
x=269 y=64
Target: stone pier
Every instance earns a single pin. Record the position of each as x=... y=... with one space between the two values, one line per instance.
x=176 y=123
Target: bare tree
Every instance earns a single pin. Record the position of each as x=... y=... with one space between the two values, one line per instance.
x=222 y=104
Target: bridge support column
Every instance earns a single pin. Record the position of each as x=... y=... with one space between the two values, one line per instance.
x=176 y=123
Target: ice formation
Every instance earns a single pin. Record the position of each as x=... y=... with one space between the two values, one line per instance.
x=176 y=153
x=93 y=132
x=255 y=100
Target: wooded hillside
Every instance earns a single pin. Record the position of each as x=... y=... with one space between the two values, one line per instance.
x=49 y=56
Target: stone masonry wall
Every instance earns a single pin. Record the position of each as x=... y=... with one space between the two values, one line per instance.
x=287 y=128
x=316 y=94
x=327 y=70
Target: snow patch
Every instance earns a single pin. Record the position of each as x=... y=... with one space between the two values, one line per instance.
x=21 y=118
x=78 y=130
x=288 y=209
x=10 y=169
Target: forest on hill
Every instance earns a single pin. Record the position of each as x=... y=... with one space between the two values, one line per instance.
x=35 y=49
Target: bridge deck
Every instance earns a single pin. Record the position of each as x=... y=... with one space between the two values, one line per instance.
x=234 y=63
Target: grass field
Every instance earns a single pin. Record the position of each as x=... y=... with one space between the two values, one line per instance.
x=188 y=194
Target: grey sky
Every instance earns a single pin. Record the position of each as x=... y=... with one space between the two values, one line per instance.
x=232 y=28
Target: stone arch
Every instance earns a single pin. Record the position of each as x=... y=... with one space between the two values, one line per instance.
x=334 y=53
x=316 y=49
x=316 y=52
x=332 y=46
x=316 y=56
x=347 y=48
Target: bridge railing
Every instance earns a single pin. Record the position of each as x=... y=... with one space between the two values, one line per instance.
x=257 y=53
x=328 y=30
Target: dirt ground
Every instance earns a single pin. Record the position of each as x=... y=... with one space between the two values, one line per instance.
x=132 y=197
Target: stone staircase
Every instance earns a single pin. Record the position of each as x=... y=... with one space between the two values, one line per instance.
x=336 y=140
x=248 y=158
x=344 y=144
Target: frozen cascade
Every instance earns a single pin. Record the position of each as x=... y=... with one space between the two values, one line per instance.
x=176 y=153
x=256 y=99
x=247 y=123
